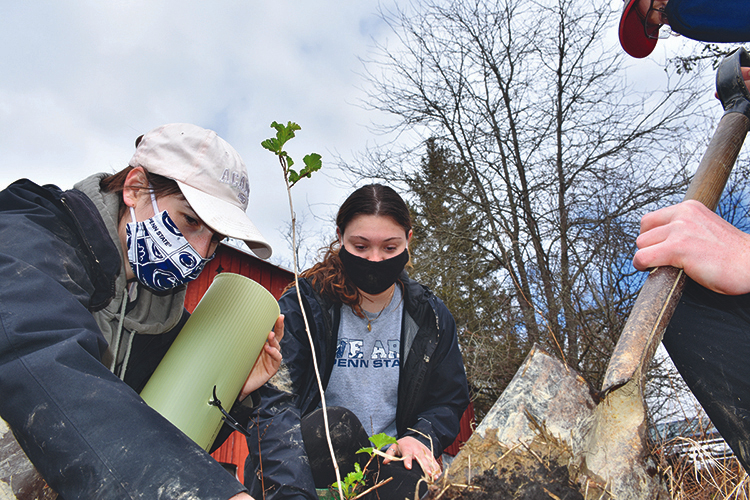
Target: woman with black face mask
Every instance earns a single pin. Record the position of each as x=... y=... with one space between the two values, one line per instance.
x=387 y=356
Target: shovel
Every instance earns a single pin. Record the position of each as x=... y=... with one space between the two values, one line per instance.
x=604 y=434
x=624 y=379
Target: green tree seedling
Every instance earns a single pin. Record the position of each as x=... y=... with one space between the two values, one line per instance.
x=312 y=163
x=355 y=481
x=351 y=483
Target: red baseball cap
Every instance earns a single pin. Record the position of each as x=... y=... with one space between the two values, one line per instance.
x=632 y=35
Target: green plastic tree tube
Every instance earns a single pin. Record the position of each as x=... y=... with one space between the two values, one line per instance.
x=217 y=347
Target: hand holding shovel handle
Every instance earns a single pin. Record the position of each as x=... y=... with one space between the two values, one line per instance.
x=660 y=294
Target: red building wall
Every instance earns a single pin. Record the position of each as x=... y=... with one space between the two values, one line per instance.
x=229 y=259
x=274 y=279
x=467 y=425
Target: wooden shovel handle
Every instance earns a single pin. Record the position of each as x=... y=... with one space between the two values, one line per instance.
x=660 y=294
x=716 y=165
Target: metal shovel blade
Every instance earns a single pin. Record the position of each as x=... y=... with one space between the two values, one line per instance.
x=548 y=405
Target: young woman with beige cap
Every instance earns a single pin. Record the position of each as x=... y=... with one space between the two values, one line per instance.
x=91 y=297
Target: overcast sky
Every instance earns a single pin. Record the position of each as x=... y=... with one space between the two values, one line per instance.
x=80 y=80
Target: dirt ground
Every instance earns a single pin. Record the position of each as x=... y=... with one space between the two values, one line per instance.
x=517 y=485
x=487 y=471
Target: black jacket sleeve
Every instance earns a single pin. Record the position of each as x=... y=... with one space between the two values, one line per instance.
x=275 y=438
x=87 y=432
x=442 y=396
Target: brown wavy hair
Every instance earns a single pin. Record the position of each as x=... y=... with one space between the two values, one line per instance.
x=328 y=276
x=160 y=186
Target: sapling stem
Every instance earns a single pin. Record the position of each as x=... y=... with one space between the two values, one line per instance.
x=312 y=346
x=291 y=177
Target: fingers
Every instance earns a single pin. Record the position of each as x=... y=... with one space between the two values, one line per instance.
x=658 y=218
x=409 y=449
x=686 y=211
x=655 y=230
x=392 y=451
x=653 y=236
x=667 y=233
x=429 y=465
x=278 y=328
x=273 y=346
x=643 y=259
x=274 y=353
x=654 y=250
x=691 y=237
x=407 y=458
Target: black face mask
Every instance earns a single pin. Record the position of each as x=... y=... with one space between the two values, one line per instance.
x=373 y=277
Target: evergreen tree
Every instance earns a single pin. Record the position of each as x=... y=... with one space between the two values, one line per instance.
x=446 y=259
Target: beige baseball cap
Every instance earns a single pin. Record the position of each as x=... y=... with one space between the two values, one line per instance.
x=211 y=175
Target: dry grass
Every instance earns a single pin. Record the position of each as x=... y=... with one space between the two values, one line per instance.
x=697 y=466
x=692 y=475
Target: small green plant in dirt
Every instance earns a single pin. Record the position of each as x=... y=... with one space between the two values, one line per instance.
x=350 y=486
x=354 y=482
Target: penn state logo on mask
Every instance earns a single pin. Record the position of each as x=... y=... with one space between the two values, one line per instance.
x=170 y=225
x=161 y=257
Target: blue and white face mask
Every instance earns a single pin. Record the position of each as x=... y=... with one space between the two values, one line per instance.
x=161 y=257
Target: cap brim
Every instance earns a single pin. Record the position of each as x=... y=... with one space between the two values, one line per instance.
x=226 y=219
x=632 y=37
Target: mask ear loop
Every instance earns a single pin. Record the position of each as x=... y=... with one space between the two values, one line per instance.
x=132 y=252
x=153 y=200
x=153 y=204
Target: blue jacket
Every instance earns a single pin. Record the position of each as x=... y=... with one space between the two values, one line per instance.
x=710 y=20
x=432 y=393
x=88 y=433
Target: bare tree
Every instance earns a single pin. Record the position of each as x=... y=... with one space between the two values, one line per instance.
x=555 y=157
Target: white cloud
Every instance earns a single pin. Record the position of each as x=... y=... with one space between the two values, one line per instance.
x=80 y=80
